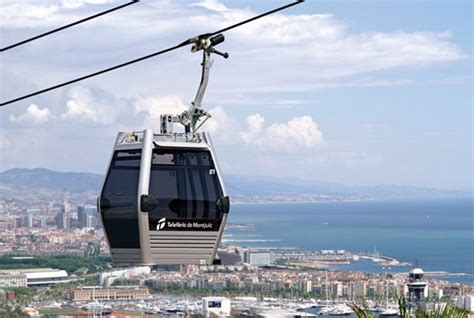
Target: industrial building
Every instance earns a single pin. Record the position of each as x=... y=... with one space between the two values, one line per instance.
x=35 y=277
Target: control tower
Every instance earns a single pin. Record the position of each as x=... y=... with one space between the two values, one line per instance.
x=417 y=289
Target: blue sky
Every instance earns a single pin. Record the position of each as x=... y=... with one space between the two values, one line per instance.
x=357 y=92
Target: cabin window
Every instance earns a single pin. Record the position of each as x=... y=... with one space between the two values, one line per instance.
x=119 y=200
x=185 y=187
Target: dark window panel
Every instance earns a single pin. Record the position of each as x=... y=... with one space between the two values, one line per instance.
x=120 y=189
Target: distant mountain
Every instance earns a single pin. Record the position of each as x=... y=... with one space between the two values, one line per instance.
x=48 y=179
x=258 y=185
x=267 y=186
x=238 y=186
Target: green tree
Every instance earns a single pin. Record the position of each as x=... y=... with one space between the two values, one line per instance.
x=24 y=295
x=8 y=311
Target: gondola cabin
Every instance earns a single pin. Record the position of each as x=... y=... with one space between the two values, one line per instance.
x=163 y=200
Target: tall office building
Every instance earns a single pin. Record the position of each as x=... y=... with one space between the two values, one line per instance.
x=63 y=218
x=62 y=221
x=91 y=221
x=81 y=216
x=27 y=221
x=66 y=208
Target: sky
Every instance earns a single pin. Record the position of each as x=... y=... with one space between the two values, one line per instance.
x=356 y=92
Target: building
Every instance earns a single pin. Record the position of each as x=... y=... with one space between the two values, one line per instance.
x=216 y=306
x=81 y=216
x=360 y=289
x=28 y=220
x=36 y=277
x=90 y=221
x=12 y=280
x=65 y=208
x=258 y=258
x=465 y=302
x=107 y=278
x=87 y=293
x=417 y=290
x=62 y=221
x=435 y=293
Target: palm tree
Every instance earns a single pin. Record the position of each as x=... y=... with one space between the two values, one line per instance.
x=447 y=311
x=359 y=311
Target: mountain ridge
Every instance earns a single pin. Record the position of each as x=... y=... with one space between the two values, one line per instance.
x=243 y=186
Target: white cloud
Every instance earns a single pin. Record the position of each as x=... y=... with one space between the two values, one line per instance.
x=33 y=114
x=299 y=30
x=79 y=107
x=73 y=4
x=219 y=121
x=17 y=14
x=254 y=128
x=299 y=132
x=84 y=107
x=31 y=14
x=223 y=128
x=212 y=5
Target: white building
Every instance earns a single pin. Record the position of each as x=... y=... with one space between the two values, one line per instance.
x=107 y=278
x=12 y=280
x=435 y=293
x=466 y=302
x=360 y=289
x=469 y=303
x=41 y=276
x=219 y=306
x=259 y=258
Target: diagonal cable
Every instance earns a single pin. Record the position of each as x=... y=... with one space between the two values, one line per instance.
x=67 y=26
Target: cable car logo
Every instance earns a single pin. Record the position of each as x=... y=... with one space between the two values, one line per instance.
x=161 y=224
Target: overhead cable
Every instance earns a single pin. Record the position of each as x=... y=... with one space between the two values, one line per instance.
x=9 y=47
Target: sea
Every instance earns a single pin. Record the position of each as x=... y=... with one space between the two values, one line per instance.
x=435 y=233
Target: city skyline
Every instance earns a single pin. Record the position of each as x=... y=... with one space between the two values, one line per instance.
x=357 y=93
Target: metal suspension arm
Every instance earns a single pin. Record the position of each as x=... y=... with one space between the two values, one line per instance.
x=206 y=66
x=191 y=117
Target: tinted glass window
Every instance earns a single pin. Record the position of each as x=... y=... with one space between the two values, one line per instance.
x=186 y=186
x=119 y=200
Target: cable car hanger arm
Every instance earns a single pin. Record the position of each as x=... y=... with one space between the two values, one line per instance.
x=189 y=41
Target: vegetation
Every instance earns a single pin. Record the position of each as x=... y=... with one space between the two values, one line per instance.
x=24 y=294
x=361 y=312
x=58 y=292
x=447 y=311
x=69 y=263
x=11 y=312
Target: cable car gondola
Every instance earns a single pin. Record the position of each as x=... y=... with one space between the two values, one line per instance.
x=177 y=189
x=174 y=183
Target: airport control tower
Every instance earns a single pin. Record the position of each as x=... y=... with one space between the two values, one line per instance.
x=417 y=289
